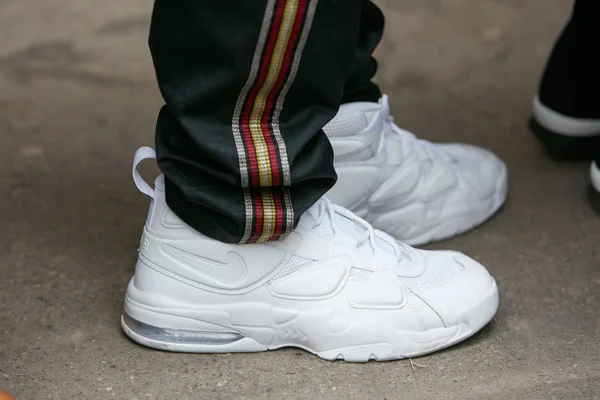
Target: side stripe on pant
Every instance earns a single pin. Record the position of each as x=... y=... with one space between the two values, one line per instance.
x=264 y=167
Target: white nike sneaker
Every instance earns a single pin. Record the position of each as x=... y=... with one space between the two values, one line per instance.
x=412 y=189
x=335 y=287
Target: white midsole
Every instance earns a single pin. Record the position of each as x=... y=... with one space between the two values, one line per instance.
x=563 y=124
x=309 y=328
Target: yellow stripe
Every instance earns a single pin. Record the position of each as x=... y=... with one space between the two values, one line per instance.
x=283 y=36
x=269 y=217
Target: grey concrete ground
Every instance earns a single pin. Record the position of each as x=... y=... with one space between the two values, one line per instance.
x=77 y=97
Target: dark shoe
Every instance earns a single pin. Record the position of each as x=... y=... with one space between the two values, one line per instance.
x=566 y=111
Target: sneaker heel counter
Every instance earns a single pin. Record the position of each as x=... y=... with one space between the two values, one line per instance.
x=156 y=285
x=144 y=277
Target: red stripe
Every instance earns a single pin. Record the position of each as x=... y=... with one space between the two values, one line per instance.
x=279 y=213
x=251 y=155
x=264 y=68
x=264 y=128
x=258 y=208
x=283 y=72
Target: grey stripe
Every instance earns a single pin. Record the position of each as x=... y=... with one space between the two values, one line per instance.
x=287 y=197
x=249 y=214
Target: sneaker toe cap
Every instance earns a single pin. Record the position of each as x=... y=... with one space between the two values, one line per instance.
x=481 y=169
x=471 y=297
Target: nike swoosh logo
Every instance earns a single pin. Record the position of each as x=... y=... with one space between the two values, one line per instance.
x=232 y=271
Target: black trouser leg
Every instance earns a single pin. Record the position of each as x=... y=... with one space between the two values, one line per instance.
x=248 y=85
x=359 y=85
x=570 y=86
x=571 y=80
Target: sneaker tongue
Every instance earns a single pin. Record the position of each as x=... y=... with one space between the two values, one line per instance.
x=313 y=214
x=348 y=225
x=315 y=210
x=309 y=220
x=352 y=118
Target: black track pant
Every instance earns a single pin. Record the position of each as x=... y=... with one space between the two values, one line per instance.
x=571 y=81
x=248 y=86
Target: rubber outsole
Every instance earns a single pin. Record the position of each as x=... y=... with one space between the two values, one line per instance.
x=175 y=340
x=563 y=147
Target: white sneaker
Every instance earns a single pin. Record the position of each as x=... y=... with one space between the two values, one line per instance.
x=335 y=287
x=412 y=189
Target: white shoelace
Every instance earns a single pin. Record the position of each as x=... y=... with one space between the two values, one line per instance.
x=329 y=210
